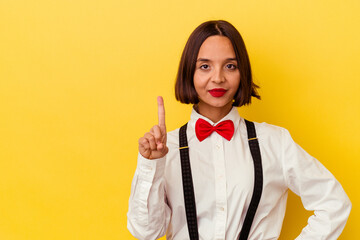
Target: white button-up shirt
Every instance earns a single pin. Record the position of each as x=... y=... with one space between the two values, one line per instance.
x=223 y=177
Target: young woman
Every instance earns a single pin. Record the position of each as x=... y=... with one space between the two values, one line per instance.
x=221 y=176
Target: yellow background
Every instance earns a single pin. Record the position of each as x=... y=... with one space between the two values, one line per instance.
x=78 y=87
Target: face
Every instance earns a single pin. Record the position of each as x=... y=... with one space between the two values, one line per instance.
x=217 y=76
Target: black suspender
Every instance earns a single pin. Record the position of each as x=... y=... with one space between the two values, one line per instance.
x=189 y=196
x=258 y=182
x=188 y=187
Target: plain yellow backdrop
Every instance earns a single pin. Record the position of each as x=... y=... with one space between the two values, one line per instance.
x=78 y=87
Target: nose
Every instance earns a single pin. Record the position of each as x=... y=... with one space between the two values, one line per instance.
x=218 y=76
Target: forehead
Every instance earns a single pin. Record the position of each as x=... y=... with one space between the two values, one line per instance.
x=216 y=47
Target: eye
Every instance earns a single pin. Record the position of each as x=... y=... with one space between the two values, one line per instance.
x=231 y=66
x=204 y=66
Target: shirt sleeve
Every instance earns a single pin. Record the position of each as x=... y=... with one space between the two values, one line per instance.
x=319 y=191
x=148 y=214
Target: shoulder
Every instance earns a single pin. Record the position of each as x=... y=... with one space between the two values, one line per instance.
x=270 y=132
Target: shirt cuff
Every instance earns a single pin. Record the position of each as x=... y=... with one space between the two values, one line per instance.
x=150 y=169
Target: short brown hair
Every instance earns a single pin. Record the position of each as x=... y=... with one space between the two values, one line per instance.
x=184 y=87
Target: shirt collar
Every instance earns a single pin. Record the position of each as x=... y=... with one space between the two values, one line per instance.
x=233 y=115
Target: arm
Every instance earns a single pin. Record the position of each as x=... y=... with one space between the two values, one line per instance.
x=148 y=215
x=319 y=191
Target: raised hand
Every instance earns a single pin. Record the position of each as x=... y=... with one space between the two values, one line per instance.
x=153 y=144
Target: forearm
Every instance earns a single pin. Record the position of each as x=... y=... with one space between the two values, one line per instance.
x=330 y=215
x=148 y=214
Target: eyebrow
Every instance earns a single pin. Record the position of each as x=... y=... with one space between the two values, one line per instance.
x=208 y=60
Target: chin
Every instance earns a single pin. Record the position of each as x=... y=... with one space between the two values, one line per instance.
x=220 y=104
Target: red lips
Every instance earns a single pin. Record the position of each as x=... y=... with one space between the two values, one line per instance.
x=217 y=92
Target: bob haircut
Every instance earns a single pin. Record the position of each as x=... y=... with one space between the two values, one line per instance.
x=184 y=87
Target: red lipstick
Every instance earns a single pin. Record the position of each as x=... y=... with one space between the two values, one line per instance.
x=217 y=92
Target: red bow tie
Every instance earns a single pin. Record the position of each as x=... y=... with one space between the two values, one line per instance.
x=203 y=129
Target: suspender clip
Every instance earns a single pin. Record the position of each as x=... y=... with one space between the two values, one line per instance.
x=184 y=147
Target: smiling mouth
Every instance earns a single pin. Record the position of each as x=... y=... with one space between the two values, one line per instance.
x=217 y=92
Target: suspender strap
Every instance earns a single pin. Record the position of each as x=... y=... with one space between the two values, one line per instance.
x=189 y=195
x=258 y=184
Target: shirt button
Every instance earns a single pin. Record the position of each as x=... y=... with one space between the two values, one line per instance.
x=221 y=208
x=218 y=146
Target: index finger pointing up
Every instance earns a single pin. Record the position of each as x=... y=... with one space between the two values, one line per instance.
x=161 y=111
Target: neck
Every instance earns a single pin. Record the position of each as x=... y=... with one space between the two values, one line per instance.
x=215 y=114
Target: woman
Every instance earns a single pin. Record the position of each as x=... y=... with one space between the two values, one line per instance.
x=221 y=176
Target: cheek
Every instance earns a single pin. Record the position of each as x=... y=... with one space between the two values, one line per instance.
x=198 y=89
x=235 y=84
x=198 y=82
x=196 y=85
x=234 y=80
